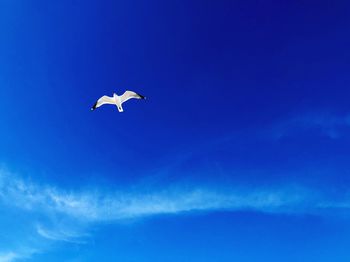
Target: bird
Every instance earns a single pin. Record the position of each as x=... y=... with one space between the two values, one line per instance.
x=117 y=100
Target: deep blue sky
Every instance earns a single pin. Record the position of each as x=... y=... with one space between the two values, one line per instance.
x=239 y=153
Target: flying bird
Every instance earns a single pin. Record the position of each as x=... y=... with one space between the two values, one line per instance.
x=117 y=100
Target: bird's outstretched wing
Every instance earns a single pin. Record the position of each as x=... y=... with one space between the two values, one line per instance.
x=103 y=100
x=130 y=94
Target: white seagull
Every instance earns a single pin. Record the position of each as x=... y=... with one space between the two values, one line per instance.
x=117 y=100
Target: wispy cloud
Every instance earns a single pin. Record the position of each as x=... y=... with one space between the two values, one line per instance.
x=330 y=125
x=8 y=257
x=11 y=256
x=58 y=234
x=84 y=208
x=95 y=206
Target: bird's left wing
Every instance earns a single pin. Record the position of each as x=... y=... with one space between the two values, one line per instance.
x=102 y=101
x=130 y=94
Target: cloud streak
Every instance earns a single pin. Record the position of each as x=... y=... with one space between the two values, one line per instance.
x=11 y=256
x=94 y=206
x=65 y=216
x=69 y=214
x=330 y=125
x=8 y=257
x=60 y=235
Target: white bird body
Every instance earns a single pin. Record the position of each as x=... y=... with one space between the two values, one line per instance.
x=117 y=100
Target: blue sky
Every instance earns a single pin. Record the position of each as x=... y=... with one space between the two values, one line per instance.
x=240 y=152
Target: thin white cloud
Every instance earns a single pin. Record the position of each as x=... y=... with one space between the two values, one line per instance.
x=22 y=254
x=58 y=234
x=69 y=214
x=99 y=207
x=330 y=125
x=8 y=257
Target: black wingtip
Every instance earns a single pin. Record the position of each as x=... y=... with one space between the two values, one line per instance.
x=142 y=97
x=93 y=107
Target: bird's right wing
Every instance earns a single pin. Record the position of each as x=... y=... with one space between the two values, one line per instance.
x=102 y=101
x=130 y=94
